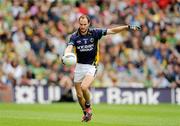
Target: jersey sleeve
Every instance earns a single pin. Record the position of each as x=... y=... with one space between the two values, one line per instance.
x=71 y=41
x=100 y=32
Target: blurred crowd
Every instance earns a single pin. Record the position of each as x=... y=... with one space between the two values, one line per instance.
x=34 y=34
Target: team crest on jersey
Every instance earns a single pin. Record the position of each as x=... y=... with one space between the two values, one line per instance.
x=85 y=41
x=78 y=41
x=91 y=40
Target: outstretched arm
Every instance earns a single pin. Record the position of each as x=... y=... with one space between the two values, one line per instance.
x=121 y=28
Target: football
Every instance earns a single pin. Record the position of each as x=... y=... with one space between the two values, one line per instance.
x=69 y=59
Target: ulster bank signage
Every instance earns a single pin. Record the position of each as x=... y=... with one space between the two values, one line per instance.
x=114 y=95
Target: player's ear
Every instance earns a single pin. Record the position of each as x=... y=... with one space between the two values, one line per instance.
x=89 y=24
x=89 y=20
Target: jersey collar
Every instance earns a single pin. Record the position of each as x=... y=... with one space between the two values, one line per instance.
x=88 y=33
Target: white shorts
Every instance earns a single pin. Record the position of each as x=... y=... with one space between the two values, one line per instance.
x=81 y=70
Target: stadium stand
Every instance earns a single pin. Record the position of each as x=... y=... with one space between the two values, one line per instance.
x=33 y=36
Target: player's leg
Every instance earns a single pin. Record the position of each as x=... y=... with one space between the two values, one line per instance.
x=78 y=78
x=81 y=101
x=80 y=96
x=87 y=81
x=83 y=74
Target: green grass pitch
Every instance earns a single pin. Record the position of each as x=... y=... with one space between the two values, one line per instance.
x=69 y=114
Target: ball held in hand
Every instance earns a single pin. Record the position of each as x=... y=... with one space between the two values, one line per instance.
x=69 y=59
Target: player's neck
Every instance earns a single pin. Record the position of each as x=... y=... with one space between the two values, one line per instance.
x=84 y=33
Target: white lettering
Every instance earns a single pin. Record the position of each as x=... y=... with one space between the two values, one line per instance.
x=116 y=96
x=152 y=97
x=54 y=93
x=97 y=96
x=25 y=94
x=40 y=96
x=86 y=48
x=127 y=97
x=113 y=96
x=140 y=97
x=178 y=96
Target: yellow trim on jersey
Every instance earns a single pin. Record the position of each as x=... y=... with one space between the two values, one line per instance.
x=97 y=55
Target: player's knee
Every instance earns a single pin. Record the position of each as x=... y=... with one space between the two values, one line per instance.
x=84 y=87
x=79 y=96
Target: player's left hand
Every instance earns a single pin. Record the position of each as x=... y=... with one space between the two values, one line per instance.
x=134 y=27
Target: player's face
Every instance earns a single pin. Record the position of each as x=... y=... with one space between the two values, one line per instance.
x=83 y=25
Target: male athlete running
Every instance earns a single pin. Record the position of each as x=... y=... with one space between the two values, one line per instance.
x=86 y=47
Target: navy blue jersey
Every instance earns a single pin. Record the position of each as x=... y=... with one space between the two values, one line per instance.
x=87 y=46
